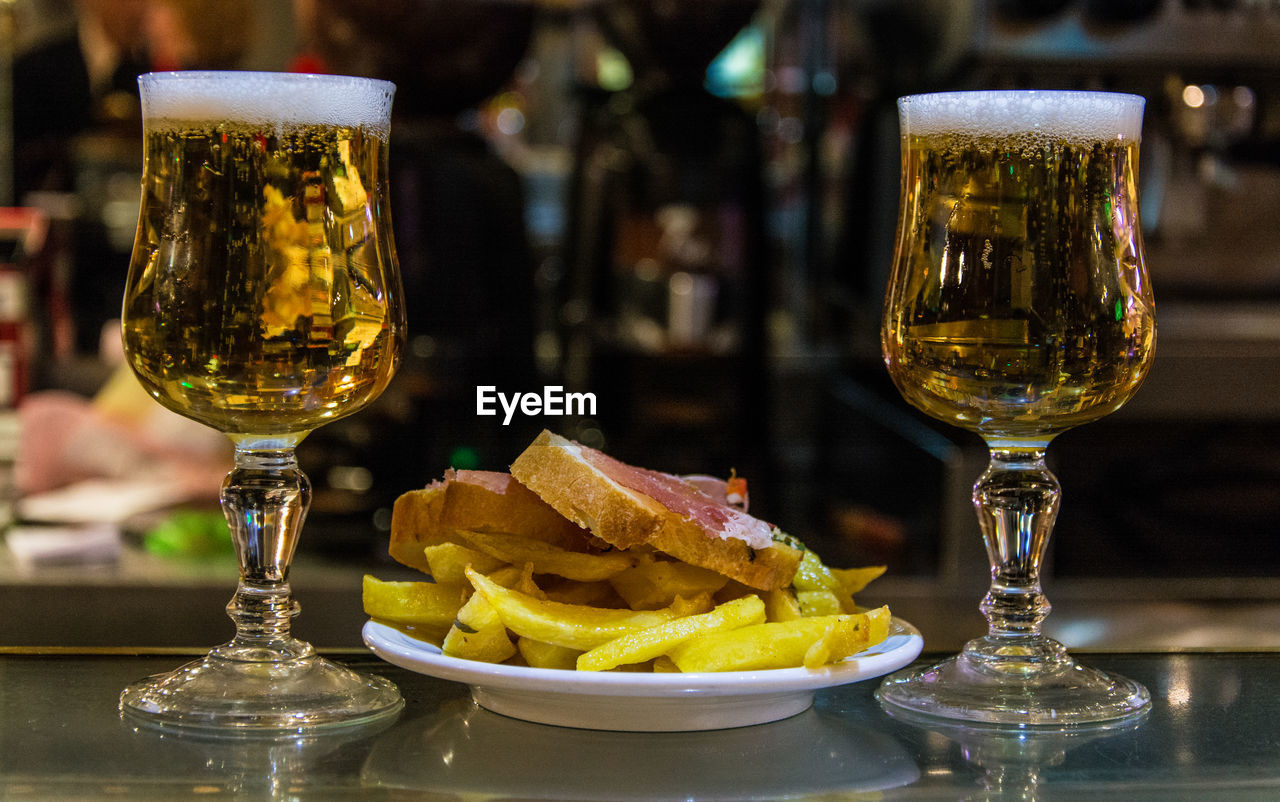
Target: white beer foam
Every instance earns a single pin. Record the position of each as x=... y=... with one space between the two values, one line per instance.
x=265 y=98
x=1031 y=115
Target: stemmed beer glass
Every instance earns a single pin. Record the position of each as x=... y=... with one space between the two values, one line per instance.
x=1019 y=306
x=263 y=300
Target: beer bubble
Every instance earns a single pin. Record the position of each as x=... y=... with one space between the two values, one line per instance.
x=265 y=98
x=1031 y=118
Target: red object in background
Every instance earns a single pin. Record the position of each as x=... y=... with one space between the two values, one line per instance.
x=308 y=63
x=23 y=233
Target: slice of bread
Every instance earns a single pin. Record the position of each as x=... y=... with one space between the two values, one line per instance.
x=627 y=507
x=477 y=501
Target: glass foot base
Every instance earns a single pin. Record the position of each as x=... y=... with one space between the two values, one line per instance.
x=1064 y=693
x=233 y=695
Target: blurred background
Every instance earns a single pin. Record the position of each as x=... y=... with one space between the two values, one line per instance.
x=688 y=210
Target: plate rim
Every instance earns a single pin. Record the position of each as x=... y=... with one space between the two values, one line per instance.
x=903 y=645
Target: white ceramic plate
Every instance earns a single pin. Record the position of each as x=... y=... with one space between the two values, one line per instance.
x=460 y=751
x=626 y=701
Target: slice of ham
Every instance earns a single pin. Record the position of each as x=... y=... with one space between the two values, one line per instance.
x=686 y=499
x=721 y=491
x=491 y=480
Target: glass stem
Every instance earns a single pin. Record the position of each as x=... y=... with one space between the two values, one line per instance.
x=1017 y=501
x=265 y=498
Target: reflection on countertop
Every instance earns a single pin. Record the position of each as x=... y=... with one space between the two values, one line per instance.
x=463 y=749
x=1211 y=732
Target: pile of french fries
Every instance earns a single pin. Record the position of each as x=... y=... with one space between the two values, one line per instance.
x=512 y=599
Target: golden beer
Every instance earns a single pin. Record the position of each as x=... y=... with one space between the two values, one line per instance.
x=263 y=300
x=1019 y=304
x=1018 y=307
x=257 y=300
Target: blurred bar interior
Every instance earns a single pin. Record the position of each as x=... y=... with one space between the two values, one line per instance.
x=686 y=208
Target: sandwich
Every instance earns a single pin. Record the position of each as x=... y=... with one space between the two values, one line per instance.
x=579 y=499
x=629 y=507
x=576 y=560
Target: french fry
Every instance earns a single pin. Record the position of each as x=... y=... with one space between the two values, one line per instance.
x=478 y=614
x=647 y=644
x=847 y=636
x=524 y=583
x=540 y=654
x=780 y=644
x=477 y=633
x=819 y=652
x=780 y=604
x=549 y=559
x=420 y=604
x=448 y=561
x=654 y=584
x=853 y=580
x=574 y=626
x=489 y=644
x=596 y=594
x=878 y=621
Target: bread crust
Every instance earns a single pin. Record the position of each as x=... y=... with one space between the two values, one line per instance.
x=415 y=518
x=763 y=569
x=620 y=517
x=553 y=468
x=478 y=501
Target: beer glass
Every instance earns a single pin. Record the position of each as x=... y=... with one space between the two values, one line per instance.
x=1018 y=307
x=263 y=300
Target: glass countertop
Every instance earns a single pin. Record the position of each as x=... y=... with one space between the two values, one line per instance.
x=1214 y=732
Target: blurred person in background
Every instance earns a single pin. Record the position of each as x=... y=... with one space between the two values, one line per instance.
x=200 y=34
x=79 y=71
x=78 y=133
x=77 y=126
x=82 y=75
